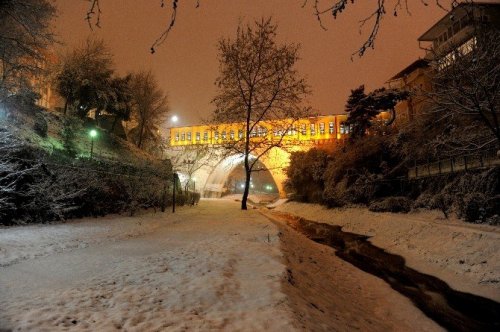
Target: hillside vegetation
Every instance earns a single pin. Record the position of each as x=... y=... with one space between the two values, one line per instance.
x=46 y=172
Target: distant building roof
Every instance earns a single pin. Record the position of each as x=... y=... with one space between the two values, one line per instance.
x=420 y=63
x=437 y=28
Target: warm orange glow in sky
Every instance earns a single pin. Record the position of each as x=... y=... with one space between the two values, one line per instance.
x=186 y=64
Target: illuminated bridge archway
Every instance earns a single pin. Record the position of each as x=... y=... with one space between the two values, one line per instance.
x=217 y=166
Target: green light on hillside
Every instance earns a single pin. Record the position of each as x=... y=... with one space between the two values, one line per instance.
x=93 y=133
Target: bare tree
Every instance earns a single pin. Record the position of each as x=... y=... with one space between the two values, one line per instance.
x=192 y=159
x=466 y=91
x=333 y=8
x=149 y=107
x=84 y=77
x=24 y=37
x=259 y=91
x=379 y=9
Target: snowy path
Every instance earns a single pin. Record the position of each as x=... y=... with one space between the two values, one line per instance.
x=209 y=267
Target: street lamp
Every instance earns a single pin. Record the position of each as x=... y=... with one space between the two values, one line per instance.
x=171 y=123
x=93 y=135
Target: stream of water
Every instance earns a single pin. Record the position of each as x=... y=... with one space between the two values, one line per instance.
x=454 y=310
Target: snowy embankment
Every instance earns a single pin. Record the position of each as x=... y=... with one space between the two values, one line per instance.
x=27 y=242
x=466 y=256
x=209 y=267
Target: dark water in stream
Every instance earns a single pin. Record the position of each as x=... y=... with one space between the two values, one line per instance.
x=454 y=310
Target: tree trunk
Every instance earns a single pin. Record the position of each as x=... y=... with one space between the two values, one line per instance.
x=114 y=124
x=66 y=105
x=141 y=133
x=247 y=184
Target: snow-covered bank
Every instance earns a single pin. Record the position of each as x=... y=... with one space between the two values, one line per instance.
x=466 y=256
x=329 y=294
x=38 y=240
x=210 y=267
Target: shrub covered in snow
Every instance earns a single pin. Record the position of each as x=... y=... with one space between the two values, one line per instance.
x=305 y=175
x=38 y=187
x=473 y=208
x=392 y=204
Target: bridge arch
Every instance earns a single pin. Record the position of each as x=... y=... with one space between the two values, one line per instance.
x=303 y=134
x=211 y=179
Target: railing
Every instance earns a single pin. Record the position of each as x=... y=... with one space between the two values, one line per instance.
x=455 y=164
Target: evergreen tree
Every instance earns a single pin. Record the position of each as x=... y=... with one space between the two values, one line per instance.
x=363 y=108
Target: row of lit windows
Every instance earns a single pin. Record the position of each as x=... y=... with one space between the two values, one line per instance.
x=262 y=132
x=460 y=51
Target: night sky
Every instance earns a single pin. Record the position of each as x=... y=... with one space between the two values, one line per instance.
x=186 y=64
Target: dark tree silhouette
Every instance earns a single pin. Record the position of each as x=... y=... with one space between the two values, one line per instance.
x=258 y=84
x=24 y=36
x=321 y=8
x=119 y=100
x=150 y=107
x=466 y=91
x=363 y=108
x=85 y=76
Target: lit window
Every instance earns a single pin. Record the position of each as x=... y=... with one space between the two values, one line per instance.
x=331 y=127
x=313 y=129
x=197 y=136
x=452 y=56
x=183 y=137
x=224 y=135
x=177 y=137
x=345 y=129
x=205 y=136
x=231 y=134
x=240 y=133
x=216 y=135
x=303 y=129
x=189 y=136
x=322 y=128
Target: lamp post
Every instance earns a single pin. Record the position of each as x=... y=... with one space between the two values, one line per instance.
x=92 y=134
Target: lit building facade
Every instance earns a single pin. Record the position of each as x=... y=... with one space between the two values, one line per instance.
x=415 y=79
x=311 y=130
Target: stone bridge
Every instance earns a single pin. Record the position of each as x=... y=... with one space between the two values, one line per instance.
x=198 y=154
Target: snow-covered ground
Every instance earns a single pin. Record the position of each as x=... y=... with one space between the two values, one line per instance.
x=466 y=256
x=208 y=267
